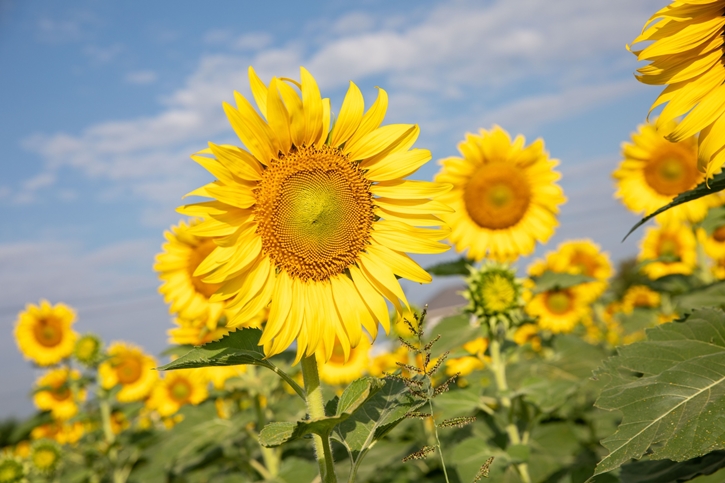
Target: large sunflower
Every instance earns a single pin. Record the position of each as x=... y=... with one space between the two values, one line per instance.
x=186 y=293
x=313 y=219
x=504 y=195
x=54 y=393
x=668 y=250
x=129 y=367
x=687 y=56
x=655 y=170
x=43 y=332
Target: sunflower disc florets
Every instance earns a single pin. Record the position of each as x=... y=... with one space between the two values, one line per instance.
x=493 y=291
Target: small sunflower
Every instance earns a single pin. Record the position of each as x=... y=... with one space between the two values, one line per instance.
x=87 y=350
x=654 y=171
x=186 y=293
x=54 y=393
x=504 y=195
x=718 y=269
x=338 y=371
x=687 y=56
x=463 y=366
x=714 y=243
x=128 y=367
x=387 y=362
x=528 y=334
x=176 y=389
x=12 y=470
x=194 y=332
x=62 y=432
x=668 y=250
x=45 y=456
x=583 y=257
x=559 y=310
x=494 y=291
x=43 y=332
x=640 y=296
x=313 y=219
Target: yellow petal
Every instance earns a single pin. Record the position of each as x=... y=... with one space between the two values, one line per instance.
x=256 y=139
x=413 y=207
x=278 y=117
x=203 y=209
x=348 y=306
x=382 y=278
x=325 y=122
x=241 y=163
x=235 y=195
x=375 y=142
x=351 y=114
x=278 y=309
x=312 y=104
x=373 y=118
x=372 y=300
x=400 y=263
x=397 y=165
x=259 y=91
x=296 y=112
x=211 y=227
x=408 y=189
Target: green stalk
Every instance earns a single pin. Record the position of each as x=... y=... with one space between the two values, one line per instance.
x=316 y=409
x=438 y=442
x=269 y=455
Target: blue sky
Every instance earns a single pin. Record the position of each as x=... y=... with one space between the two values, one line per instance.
x=102 y=103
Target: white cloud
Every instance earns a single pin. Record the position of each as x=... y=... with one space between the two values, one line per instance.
x=252 y=41
x=103 y=55
x=141 y=77
x=62 y=30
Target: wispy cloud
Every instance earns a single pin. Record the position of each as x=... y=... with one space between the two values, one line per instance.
x=141 y=77
x=73 y=28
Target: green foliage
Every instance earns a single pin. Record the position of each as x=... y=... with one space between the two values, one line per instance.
x=670 y=389
x=455 y=267
x=717 y=183
x=557 y=281
x=667 y=471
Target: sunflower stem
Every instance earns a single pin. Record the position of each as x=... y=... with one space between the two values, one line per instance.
x=316 y=409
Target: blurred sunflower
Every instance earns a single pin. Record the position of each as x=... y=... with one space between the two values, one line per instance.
x=12 y=469
x=687 y=56
x=528 y=334
x=387 y=362
x=668 y=250
x=87 y=350
x=316 y=220
x=194 y=332
x=338 y=371
x=43 y=332
x=504 y=195
x=654 y=171
x=713 y=243
x=45 y=456
x=186 y=293
x=579 y=257
x=718 y=269
x=559 y=310
x=54 y=393
x=129 y=367
x=176 y=389
x=62 y=432
x=640 y=296
x=463 y=366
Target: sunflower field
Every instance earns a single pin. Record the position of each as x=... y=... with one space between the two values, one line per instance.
x=295 y=356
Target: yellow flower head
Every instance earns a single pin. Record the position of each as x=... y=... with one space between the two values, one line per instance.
x=714 y=243
x=218 y=375
x=317 y=220
x=12 y=470
x=494 y=291
x=467 y=364
x=130 y=368
x=338 y=371
x=176 y=389
x=55 y=394
x=559 y=311
x=45 y=456
x=673 y=247
x=687 y=56
x=582 y=257
x=386 y=363
x=194 y=332
x=43 y=332
x=504 y=195
x=60 y=431
x=88 y=349
x=639 y=296
x=186 y=293
x=655 y=170
x=528 y=334
x=718 y=269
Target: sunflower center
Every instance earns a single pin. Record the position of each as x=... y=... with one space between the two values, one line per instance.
x=60 y=393
x=197 y=255
x=48 y=331
x=180 y=390
x=559 y=302
x=129 y=370
x=498 y=293
x=672 y=172
x=719 y=234
x=583 y=263
x=315 y=212
x=668 y=248
x=497 y=196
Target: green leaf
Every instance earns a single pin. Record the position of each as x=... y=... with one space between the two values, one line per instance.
x=454 y=331
x=557 y=281
x=715 y=219
x=236 y=348
x=709 y=296
x=455 y=267
x=667 y=471
x=354 y=396
x=670 y=389
x=519 y=453
x=375 y=418
x=717 y=183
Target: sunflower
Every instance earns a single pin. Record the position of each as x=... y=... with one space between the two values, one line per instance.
x=582 y=257
x=528 y=334
x=218 y=375
x=12 y=470
x=45 y=456
x=504 y=195
x=559 y=310
x=191 y=332
x=668 y=250
x=718 y=269
x=640 y=296
x=87 y=350
x=387 y=362
x=713 y=243
x=176 y=389
x=43 y=332
x=463 y=366
x=313 y=219
x=186 y=293
x=494 y=291
x=687 y=56
x=655 y=170
x=130 y=368
x=338 y=371
x=55 y=394
x=60 y=431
